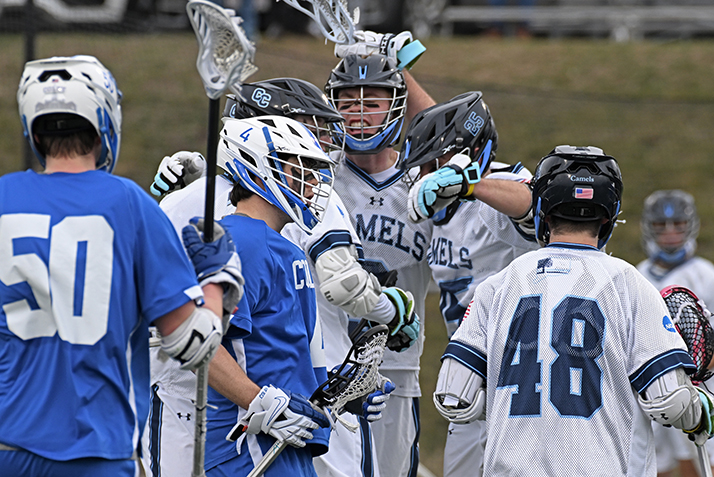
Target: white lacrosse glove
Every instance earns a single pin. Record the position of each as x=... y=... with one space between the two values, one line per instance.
x=285 y=416
x=177 y=171
x=215 y=262
x=401 y=48
x=705 y=430
x=371 y=406
x=404 y=328
x=459 y=396
x=435 y=191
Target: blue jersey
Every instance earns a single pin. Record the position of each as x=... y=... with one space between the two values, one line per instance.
x=273 y=336
x=87 y=261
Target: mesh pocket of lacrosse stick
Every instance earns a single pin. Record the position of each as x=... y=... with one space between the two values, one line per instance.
x=357 y=376
x=693 y=325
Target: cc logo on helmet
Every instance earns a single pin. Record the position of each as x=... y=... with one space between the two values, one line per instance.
x=261 y=97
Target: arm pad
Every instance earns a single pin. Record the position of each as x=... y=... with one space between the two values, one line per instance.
x=344 y=282
x=672 y=400
x=196 y=340
x=460 y=395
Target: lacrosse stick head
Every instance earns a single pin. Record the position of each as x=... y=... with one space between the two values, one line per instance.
x=332 y=16
x=692 y=322
x=226 y=55
x=358 y=375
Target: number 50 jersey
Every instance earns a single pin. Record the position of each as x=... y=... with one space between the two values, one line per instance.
x=87 y=262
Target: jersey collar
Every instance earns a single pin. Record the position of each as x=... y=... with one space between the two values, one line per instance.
x=573 y=246
x=378 y=186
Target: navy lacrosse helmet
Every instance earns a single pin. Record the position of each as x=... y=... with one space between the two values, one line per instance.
x=578 y=184
x=675 y=210
x=462 y=124
x=292 y=98
x=374 y=71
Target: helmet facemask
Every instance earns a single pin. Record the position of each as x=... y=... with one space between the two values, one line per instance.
x=670 y=226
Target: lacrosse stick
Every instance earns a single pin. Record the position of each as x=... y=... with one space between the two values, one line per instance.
x=225 y=59
x=333 y=18
x=356 y=377
x=692 y=323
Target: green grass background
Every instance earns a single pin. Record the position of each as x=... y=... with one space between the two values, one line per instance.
x=649 y=104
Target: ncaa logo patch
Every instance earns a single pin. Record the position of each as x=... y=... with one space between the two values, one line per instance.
x=668 y=325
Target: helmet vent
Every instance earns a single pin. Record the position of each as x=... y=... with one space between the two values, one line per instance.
x=269 y=122
x=246 y=156
x=64 y=74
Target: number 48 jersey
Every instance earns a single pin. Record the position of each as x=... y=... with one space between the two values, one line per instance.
x=87 y=262
x=565 y=338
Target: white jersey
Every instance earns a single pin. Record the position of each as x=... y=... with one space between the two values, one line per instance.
x=565 y=337
x=697 y=274
x=476 y=243
x=377 y=207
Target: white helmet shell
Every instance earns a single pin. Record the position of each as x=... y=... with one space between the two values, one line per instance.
x=280 y=160
x=78 y=85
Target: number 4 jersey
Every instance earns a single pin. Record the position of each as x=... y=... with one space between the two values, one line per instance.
x=565 y=337
x=87 y=261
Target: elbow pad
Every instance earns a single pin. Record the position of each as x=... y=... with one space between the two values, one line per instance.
x=344 y=282
x=196 y=340
x=672 y=400
x=460 y=395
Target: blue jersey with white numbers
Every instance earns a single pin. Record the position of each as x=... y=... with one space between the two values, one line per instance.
x=274 y=336
x=87 y=261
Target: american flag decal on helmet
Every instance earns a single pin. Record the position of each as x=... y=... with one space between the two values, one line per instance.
x=583 y=193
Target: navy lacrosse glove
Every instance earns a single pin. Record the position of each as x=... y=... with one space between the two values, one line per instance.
x=215 y=262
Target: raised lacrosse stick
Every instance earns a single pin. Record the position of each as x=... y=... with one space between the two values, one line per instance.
x=357 y=376
x=693 y=325
x=333 y=18
x=225 y=59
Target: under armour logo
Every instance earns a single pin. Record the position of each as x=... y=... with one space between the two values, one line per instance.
x=186 y=416
x=376 y=201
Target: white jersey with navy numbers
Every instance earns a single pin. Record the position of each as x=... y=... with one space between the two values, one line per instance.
x=697 y=274
x=477 y=242
x=565 y=337
x=88 y=261
x=377 y=207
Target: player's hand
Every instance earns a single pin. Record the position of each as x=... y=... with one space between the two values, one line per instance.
x=401 y=48
x=285 y=416
x=435 y=191
x=371 y=406
x=404 y=328
x=705 y=430
x=215 y=262
x=460 y=396
x=177 y=171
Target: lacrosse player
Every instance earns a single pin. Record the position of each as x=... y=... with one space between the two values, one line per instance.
x=333 y=252
x=371 y=94
x=82 y=280
x=471 y=240
x=669 y=227
x=568 y=341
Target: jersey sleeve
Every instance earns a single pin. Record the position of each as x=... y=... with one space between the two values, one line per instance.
x=165 y=277
x=656 y=346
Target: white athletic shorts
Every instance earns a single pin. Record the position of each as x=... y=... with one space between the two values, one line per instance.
x=396 y=437
x=351 y=454
x=167 y=442
x=464 y=449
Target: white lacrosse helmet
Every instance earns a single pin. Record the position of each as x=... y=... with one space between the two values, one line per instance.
x=71 y=86
x=280 y=160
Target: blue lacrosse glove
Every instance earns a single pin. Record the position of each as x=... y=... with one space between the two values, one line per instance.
x=435 y=191
x=177 y=171
x=404 y=328
x=376 y=402
x=279 y=413
x=215 y=262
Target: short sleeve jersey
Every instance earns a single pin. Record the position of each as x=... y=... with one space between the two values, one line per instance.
x=274 y=335
x=87 y=262
x=565 y=338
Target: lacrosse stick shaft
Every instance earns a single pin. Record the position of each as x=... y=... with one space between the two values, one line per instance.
x=213 y=112
x=199 y=438
x=268 y=458
x=704 y=468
